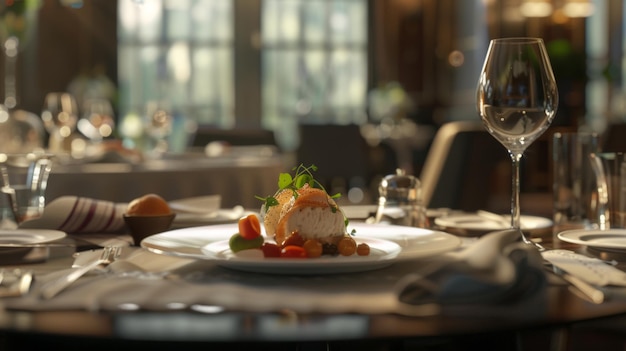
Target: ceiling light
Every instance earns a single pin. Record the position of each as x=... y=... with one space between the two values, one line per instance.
x=536 y=9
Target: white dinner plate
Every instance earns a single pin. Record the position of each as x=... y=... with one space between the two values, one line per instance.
x=29 y=236
x=382 y=254
x=17 y=254
x=388 y=243
x=473 y=223
x=608 y=239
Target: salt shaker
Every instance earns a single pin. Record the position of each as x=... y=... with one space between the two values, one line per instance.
x=400 y=201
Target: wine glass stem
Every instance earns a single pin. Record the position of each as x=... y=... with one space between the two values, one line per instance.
x=11 y=48
x=515 y=203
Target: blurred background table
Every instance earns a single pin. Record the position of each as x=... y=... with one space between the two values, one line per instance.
x=237 y=175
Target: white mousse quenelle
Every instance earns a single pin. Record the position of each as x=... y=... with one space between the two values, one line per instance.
x=302 y=213
x=309 y=211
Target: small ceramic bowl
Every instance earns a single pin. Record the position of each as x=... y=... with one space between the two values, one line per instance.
x=143 y=226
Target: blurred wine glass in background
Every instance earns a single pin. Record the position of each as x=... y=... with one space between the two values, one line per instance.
x=20 y=130
x=158 y=127
x=97 y=121
x=60 y=115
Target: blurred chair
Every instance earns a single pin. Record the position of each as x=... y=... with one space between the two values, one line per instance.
x=615 y=138
x=339 y=151
x=461 y=168
x=240 y=137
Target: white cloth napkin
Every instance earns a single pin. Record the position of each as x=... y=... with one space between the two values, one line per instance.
x=498 y=273
x=491 y=272
x=81 y=215
x=75 y=215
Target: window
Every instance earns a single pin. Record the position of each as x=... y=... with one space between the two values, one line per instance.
x=181 y=53
x=314 y=64
x=177 y=53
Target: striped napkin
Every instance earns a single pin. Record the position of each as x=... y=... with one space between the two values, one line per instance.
x=75 y=215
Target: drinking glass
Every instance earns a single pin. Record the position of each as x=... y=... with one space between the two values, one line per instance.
x=517 y=99
x=158 y=126
x=17 y=19
x=97 y=121
x=59 y=115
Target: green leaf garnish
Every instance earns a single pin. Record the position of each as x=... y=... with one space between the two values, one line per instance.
x=302 y=176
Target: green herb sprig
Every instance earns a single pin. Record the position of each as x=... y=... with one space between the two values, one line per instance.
x=303 y=175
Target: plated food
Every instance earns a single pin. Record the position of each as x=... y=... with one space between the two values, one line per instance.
x=302 y=219
x=301 y=230
x=388 y=244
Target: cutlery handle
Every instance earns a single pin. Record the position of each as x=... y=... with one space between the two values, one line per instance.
x=596 y=295
x=51 y=289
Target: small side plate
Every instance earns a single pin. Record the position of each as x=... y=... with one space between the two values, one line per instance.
x=614 y=239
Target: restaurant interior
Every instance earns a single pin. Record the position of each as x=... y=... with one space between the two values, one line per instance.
x=217 y=97
x=367 y=83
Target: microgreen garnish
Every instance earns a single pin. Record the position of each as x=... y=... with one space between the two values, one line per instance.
x=303 y=175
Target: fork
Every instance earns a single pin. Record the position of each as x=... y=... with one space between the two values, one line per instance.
x=108 y=255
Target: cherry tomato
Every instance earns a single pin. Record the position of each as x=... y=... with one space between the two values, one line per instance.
x=313 y=248
x=363 y=249
x=292 y=251
x=346 y=246
x=270 y=250
x=249 y=227
x=294 y=239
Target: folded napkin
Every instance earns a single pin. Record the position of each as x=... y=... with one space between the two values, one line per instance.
x=75 y=215
x=80 y=215
x=498 y=274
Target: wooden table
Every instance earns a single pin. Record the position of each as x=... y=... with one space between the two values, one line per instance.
x=570 y=322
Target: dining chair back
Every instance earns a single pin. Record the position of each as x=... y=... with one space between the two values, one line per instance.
x=340 y=153
x=237 y=136
x=465 y=168
x=615 y=138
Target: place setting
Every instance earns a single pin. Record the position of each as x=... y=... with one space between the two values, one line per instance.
x=409 y=270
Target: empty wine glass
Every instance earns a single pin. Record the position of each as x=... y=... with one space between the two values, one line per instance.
x=158 y=126
x=17 y=19
x=59 y=115
x=97 y=121
x=517 y=99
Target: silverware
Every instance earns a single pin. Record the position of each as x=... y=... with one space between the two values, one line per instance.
x=51 y=289
x=592 y=293
x=15 y=282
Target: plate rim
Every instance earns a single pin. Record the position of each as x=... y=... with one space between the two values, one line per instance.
x=438 y=221
x=563 y=236
x=151 y=243
x=47 y=235
x=397 y=249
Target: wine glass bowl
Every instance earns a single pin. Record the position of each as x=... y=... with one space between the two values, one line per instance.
x=59 y=116
x=517 y=99
x=97 y=120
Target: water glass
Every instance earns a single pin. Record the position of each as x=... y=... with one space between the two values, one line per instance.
x=574 y=185
x=610 y=170
x=400 y=201
x=23 y=187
